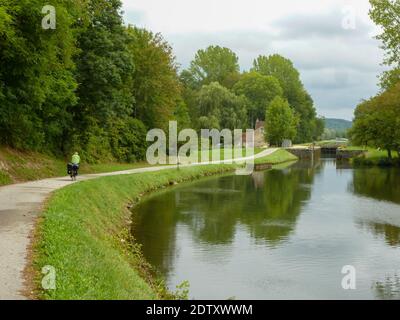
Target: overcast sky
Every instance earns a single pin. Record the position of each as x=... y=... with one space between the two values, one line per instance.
x=331 y=42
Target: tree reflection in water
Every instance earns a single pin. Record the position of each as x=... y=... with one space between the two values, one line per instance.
x=266 y=205
x=389 y=289
x=382 y=184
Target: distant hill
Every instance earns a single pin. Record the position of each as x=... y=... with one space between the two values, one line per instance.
x=337 y=124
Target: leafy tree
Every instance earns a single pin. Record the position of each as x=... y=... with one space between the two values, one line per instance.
x=386 y=13
x=260 y=91
x=319 y=128
x=155 y=86
x=377 y=121
x=280 y=121
x=36 y=75
x=293 y=90
x=181 y=115
x=128 y=140
x=219 y=107
x=390 y=78
x=214 y=64
x=104 y=66
x=283 y=70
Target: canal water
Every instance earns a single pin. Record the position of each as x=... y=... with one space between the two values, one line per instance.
x=278 y=234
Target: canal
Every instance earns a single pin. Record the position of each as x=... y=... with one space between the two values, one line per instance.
x=279 y=234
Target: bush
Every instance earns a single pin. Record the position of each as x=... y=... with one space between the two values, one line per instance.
x=128 y=140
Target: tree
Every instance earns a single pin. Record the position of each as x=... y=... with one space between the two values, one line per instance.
x=319 y=128
x=293 y=90
x=128 y=140
x=215 y=64
x=104 y=66
x=377 y=121
x=386 y=13
x=284 y=71
x=219 y=107
x=155 y=85
x=36 y=75
x=181 y=116
x=280 y=122
x=260 y=91
x=390 y=78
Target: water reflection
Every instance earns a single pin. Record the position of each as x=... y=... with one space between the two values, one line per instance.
x=267 y=204
x=382 y=184
x=388 y=289
x=377 y=183
x=283 y=233
x=388 y=232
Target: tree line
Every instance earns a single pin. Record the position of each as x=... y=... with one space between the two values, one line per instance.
x=96 y=85
x=218 y=95
x=377 y=120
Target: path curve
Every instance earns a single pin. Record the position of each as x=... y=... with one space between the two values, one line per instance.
x=20 y=205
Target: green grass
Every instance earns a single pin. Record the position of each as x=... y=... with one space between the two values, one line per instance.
x=4 y=178
x=212 y=154
x=279 y=156
x=83 y=234
x=374 y=157
x=111 y=167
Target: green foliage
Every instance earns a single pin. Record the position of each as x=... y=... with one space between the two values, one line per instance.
x=181 y=115
x=377 y=121
x=260 y=91
x=35 y=67
x=219 y=108
x=280 y=122
x=386 y=13
x=76 y=87
x=155 y=86
x=214 y=64
x=294 y=92
x=128 y=140
x=94 y=85
x=390 y=78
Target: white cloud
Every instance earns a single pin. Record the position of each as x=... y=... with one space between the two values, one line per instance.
x=338 y=65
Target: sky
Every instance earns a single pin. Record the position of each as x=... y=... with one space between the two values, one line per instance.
x=331 y=42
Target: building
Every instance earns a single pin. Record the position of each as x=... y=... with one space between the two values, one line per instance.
x=259 y=135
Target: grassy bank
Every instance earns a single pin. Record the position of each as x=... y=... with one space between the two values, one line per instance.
x=83 y=234
x=374 y=157
x=279 y=156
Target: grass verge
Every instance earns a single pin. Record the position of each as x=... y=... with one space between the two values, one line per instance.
x=375 y=157
x=279 y=156
x=83 y=233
